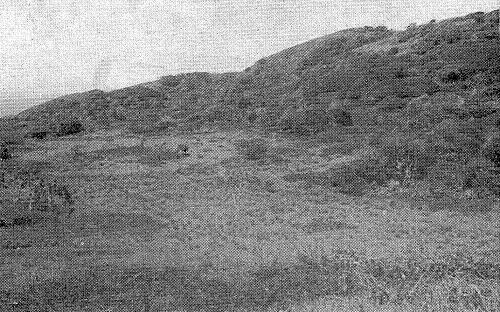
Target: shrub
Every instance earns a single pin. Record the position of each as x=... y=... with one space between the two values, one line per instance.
x=182 y=150
x=300 y=121
x=4 y=152
x=252 y=117
x=482 y=175
x=40 y=135
x=445 y=179
x=253 y=149
x=406 y=157
x=452 y=74
x=69 y=128
x=393 y=51
x=392 y=103
x=166 y=124
x=28 y=198
x=313 y=120
x=491 y=149
x=339 y=117
x=371 y=166
x=367 y=167
x=11 y=137
x=463 y=138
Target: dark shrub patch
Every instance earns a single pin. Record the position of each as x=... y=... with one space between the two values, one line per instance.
x=30 y=197
x=393 y=51
x=69 y=128
x=252 y=117
x=253 y=149
x=5 y=153
x=482 y=175
x=392 y=103
x=313 y=120
x=340 y=117
x=21 y=221
x=352 y=177
x=451 y=75
x=40 y=135
x=491 y=149
x=406 y=158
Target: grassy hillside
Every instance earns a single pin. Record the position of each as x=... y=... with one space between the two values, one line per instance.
x=358 y=67
x=418 y=101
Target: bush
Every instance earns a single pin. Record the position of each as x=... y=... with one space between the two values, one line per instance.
x=406 y=157
x=460 y=187
x=445 y=179
x=313 y=120
x=253 y=149
x=371 y=166
x=166 y=124
x=481 y=175
x=463 y=138
x=392 y=103
x=339 y=117
x=28 y=198
x=366 y=168
x=11 y=137
x=40 y=135
x=4 y=152
x=491 y=149
x=393 y=51
x=452 y=74
x=69 y=128
x=252 y=117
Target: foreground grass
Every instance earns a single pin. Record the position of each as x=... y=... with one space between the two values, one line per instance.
x=208 y=233
x=313 y=284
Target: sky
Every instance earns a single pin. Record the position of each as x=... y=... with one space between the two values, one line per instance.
x=53 y=47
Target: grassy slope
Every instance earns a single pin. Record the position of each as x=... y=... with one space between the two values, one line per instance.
x=363 y=66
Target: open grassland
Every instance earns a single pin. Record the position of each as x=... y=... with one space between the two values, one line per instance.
x=232 y=227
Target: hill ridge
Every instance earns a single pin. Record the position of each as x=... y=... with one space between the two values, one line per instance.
x=361 y=66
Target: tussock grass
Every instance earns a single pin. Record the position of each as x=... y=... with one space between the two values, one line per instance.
x=33 y=206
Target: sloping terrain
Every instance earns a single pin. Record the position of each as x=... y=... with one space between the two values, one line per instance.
x=351 y=68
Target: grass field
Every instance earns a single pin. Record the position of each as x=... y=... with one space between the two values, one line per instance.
x=155 y=231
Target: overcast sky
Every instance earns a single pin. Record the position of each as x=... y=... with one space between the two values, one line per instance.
x=54 y=47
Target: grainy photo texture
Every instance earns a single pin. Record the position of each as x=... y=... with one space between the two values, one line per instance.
x=249 y=155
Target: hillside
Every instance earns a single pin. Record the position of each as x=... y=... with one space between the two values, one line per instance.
x=362 y=67
x=357 y=67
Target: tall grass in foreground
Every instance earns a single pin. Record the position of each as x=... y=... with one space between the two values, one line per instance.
x=29 y=197
x=320 y=283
